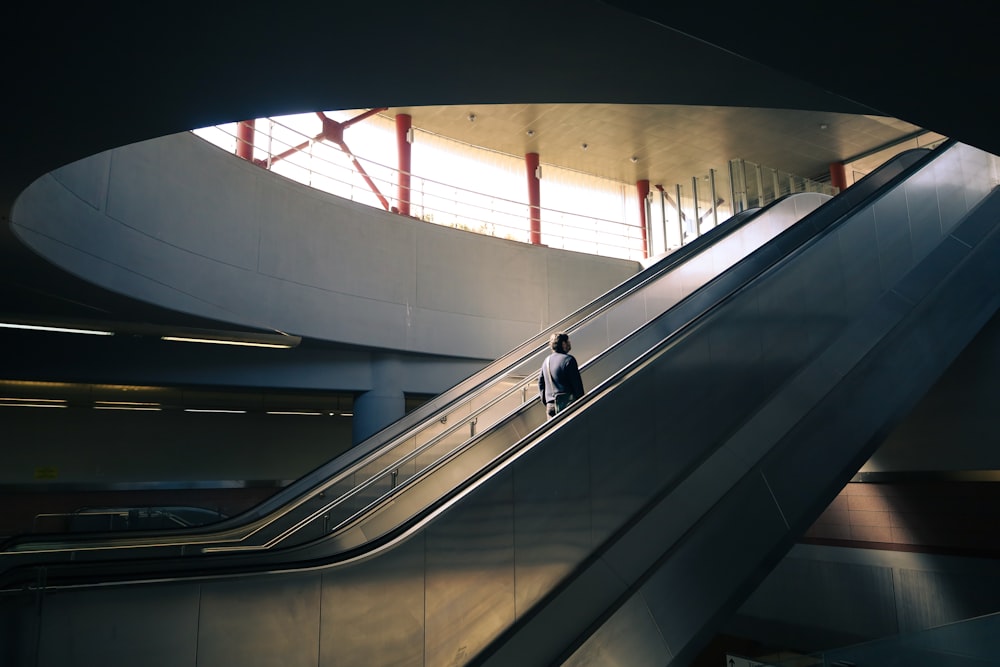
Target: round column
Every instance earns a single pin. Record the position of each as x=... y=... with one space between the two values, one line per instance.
x=382 y=404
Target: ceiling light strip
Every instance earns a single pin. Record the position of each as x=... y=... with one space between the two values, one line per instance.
x=38 y=327
x=213 y=341
x=33 y=405
x=126 y=407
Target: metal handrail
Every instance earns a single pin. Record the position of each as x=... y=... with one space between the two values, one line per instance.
x=474 y=201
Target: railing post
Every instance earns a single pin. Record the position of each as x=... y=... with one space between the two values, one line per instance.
x=760 y=185
x=680 y=212
x=694 y=197
x=715 y=198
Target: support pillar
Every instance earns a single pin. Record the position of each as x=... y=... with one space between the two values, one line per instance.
x=642 y=189
x=838 y=175
x=404 y=138
x=534 y=196
x=382 y=404
x=244 y=139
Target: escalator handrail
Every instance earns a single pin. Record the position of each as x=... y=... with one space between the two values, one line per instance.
x=856 y=202
x=305 y=556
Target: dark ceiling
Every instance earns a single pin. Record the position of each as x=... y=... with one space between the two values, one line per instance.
x=84 y=78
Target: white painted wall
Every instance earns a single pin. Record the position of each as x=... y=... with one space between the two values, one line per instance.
x=180 y=223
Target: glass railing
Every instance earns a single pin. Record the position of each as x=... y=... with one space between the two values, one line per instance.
x=975 y=641
x=641 y=311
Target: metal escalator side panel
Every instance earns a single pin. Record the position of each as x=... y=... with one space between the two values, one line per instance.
x=754 y=477
x=540 y=527
x=634 y=309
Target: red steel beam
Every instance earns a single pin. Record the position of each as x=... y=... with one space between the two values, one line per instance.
x=333 y=131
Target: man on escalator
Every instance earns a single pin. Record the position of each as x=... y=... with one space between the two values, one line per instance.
x=559 y=383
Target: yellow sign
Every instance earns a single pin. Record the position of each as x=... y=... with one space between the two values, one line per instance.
x=46 y=473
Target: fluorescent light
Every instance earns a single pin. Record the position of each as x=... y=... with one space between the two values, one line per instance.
x=213 y=341
x=234 y=412
x=33 y=405
x=37 y=327
x=292 y=412
x=122 y=407
x=11 y=402
x=125 y=405
x=135 y=403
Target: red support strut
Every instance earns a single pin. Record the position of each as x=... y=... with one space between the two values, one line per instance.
x=333 y=131
x=244 y=139
x=534 y=197
x=403 y=148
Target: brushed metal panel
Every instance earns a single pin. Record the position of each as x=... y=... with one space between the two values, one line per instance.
x=628 y=315
x=662 y=294
x=925 y=216
x=552 y=526
x=262 y=620
x=858 y=244
x=934 y=268
x=588 y=340
x=119 y=627
x=692 y=275
x=629 y=637
x=892 y=234
x=773 y=421
x=470 y=575
x=621 y=478
x=373 y=612
x=786 y=318
x=737 y=341
x=954 y=198
x=705 y=574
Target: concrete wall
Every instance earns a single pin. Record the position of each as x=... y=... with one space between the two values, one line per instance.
x=178 y=222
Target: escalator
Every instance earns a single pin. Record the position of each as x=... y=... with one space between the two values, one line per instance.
x=319 y=502
x=711 y=433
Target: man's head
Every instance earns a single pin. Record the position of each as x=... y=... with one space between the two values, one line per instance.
x=559 y=342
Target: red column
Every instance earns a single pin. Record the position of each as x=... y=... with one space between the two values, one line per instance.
x=838 y=175
x=642 y=189
x=534 y=197
x=403 y=148
x=244 y=139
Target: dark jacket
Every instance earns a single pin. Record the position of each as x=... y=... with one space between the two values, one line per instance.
x=565 y=377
